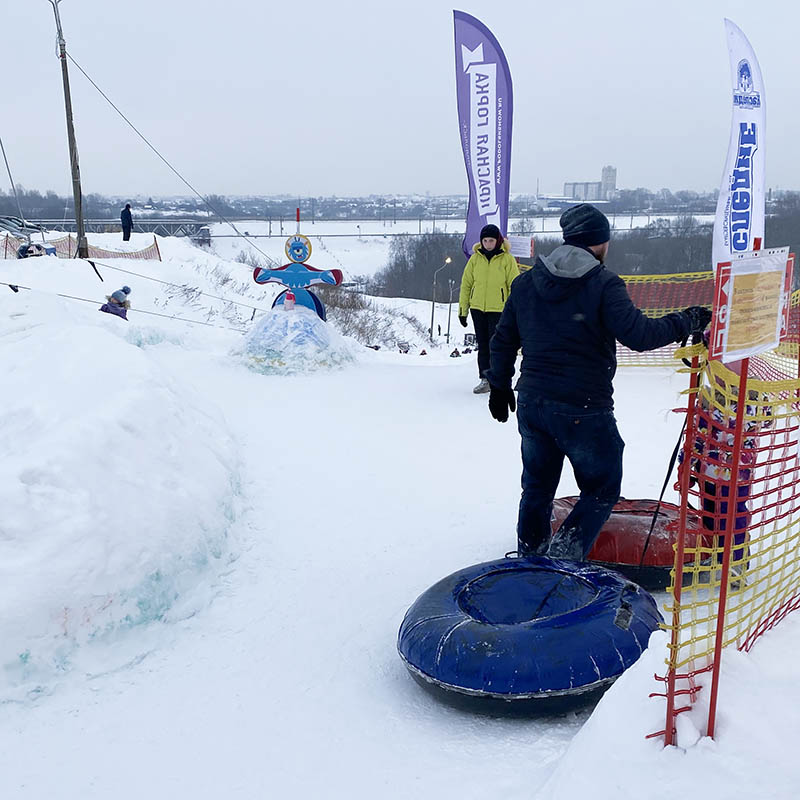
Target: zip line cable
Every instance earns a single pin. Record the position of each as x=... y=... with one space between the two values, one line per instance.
x=176 y=285
x=175 y=171
x=15 y=287
x=11 y=180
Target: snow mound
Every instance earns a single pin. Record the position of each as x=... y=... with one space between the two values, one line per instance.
x=291 y=342
x=118 y=486
x=148 y=336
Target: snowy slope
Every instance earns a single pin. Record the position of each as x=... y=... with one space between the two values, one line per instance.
x=327 y=502
x=205 y=287
x=361 y=247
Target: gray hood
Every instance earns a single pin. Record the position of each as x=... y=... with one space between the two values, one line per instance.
x=568 y=261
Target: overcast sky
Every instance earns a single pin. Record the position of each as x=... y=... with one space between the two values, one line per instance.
x=313 y=97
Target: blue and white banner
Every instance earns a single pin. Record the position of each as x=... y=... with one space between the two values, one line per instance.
x=485 y=105
x=739 y=223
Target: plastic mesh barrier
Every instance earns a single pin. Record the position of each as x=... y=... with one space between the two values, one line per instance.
x=67 y=247
x=733 y=588
x=657 y=295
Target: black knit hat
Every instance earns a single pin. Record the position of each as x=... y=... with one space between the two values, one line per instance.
x=584 y=226
x=491 y=232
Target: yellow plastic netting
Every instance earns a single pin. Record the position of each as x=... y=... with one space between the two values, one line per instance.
x=733 y=588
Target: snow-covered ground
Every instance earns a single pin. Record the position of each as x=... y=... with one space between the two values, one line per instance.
x=203 y=568
x=361 y=248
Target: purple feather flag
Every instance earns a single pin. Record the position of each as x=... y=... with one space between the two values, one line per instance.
x=485 y=108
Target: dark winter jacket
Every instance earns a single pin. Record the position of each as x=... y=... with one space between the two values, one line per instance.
x=112 y=308
x=566 y=313
x=126 y=218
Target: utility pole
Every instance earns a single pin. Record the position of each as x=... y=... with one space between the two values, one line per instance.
x=83 y=245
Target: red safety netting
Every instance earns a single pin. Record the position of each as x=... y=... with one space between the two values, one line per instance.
x=67 y=247
x=657 y=295
x=739 y=473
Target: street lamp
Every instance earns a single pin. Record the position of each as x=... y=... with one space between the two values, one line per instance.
x=449 y=308
x=433 y=299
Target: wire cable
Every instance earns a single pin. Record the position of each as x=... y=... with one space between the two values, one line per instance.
x=15 y=287
x=175 y=285
x=173 y=169
x=11 y=180
x=16 y=195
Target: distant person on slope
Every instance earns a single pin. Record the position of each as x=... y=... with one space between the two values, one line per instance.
x=485 y=287
x=117 y=303
x=567 y=313
x=126 y=218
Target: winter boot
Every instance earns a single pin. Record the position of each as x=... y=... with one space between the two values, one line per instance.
x=565 y=545
x=738 y=579
x=482 y=387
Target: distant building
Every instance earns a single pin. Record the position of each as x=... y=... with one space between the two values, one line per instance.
x=584 y=190
x=608 y=183
x=603 y=189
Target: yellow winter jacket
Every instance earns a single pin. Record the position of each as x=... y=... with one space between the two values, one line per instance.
x=486 y=284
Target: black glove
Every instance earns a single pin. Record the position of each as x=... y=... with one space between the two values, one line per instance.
x=501 y=401
x=463 y=321
x=699 y=318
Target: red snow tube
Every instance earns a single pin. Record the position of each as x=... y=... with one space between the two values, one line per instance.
x=622 y=539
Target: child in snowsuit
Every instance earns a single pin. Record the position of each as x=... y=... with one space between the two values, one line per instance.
x=117 y=303
x=710 y=467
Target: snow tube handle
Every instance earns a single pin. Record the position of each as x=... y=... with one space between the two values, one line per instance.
x=624 y=615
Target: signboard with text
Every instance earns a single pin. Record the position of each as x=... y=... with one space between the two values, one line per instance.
x=521 y=246
x=752 y=293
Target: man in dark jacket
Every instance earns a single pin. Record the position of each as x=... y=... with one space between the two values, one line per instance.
x=126 y=218
x=567 y=313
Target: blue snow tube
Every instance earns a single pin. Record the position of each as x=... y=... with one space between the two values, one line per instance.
x=526 y=630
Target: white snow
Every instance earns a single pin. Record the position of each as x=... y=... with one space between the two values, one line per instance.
x=288 y=342
x=291 y=521
x=361 y=247
x=102 y=528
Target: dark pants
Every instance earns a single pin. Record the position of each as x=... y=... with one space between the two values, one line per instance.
x=484 y=323
x=716 y=520
x=590 y=440
x=126 y=234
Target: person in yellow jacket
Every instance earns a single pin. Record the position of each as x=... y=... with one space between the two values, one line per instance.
x=485 y=286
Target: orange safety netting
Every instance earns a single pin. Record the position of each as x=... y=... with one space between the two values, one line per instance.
x=657 y=295
x=67 y=247
x=732 y=588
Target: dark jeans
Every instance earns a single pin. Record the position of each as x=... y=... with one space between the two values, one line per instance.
x=484 y=323
x=718 y=524
x=126 y=234
x=589 y=438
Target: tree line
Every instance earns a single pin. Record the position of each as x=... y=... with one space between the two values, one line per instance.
x=49 y=205
x=662 y=247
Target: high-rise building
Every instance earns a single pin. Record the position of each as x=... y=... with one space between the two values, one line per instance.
x=604 y=189
x=608 y=182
